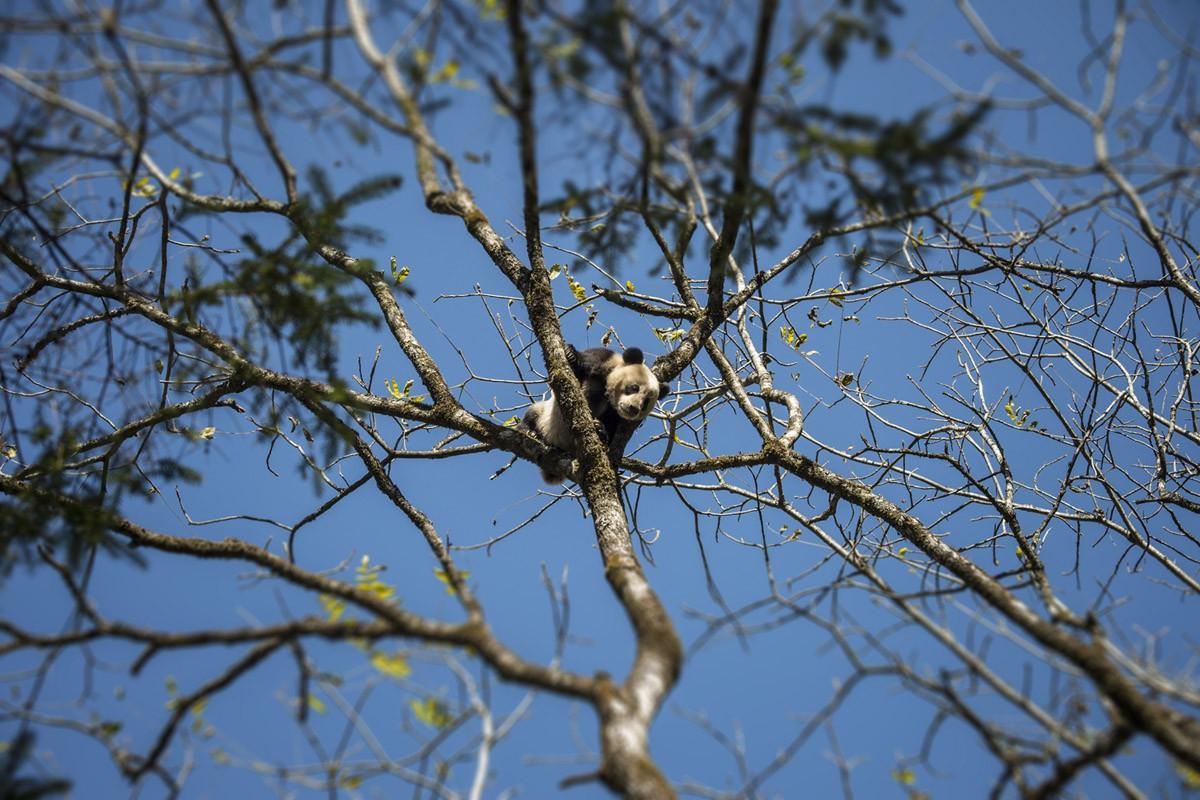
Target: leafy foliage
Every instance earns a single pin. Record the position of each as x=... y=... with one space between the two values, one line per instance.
x=286 y=288
x=15 y=787
x=35 y=519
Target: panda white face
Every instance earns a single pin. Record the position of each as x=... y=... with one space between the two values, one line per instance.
x=632 y=390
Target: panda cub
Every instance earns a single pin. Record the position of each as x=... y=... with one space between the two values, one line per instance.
x=618 y=386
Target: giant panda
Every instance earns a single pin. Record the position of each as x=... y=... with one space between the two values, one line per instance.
x=618 y=386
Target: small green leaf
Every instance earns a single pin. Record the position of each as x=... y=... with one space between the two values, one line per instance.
x=393 y=387
x=400 y=275
x=577 y=289
x=441 y=575
x=367 y=579
x=432 y=712
x=447 y=72
x=668 y=335
x=791 y=338
x=394 y=665
x=334 y=606
x=107 y=730
x=1189 y=776
x=491 y=9
x=905 y=776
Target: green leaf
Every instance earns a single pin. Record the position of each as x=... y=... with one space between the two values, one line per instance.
x=367 y=579
x=393 y=387
x=668 y=335
x=461 y=575
x=447 y=72
x=1189 y=776
x=791 y=338
x=334 y=606
x=107 y=730
x=577 y=289
x=432 y=712
x=394 y=665
x=400 y=275
x=491 y=10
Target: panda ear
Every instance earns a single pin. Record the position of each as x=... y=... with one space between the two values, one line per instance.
x=664 y=389
x=633 y=355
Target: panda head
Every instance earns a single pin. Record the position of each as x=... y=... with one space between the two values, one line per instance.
x=631 y=387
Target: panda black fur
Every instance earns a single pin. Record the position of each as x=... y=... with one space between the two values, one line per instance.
x=618 y=386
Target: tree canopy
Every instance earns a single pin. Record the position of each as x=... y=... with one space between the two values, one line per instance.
x=917 y=518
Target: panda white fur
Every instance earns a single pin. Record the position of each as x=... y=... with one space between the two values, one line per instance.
x=618 y=386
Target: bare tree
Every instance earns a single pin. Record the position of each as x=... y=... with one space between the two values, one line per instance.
x=932 y=372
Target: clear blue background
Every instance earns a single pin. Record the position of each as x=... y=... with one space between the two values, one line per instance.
x=764 y=691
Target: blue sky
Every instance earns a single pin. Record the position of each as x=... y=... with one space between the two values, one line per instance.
x=765 y=690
